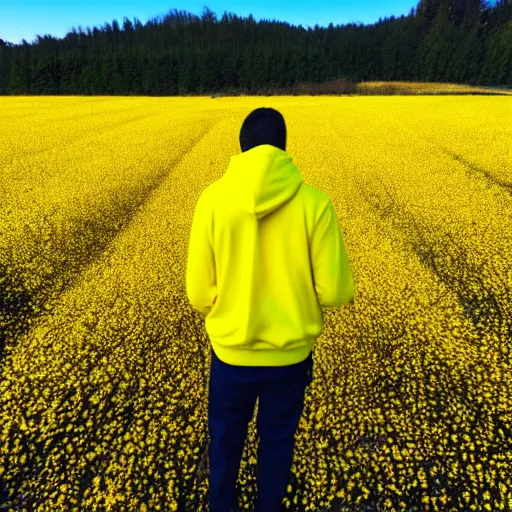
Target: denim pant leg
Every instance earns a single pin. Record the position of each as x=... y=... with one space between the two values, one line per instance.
x=280 y=407
x=232 y=395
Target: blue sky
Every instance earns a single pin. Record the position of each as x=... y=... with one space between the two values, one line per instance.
x=26 y=18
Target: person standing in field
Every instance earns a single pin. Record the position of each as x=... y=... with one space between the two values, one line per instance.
x=266 y=253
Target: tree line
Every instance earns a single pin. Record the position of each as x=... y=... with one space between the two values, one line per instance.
x=463 y=41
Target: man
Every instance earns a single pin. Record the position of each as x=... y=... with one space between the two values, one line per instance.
x=266 y=252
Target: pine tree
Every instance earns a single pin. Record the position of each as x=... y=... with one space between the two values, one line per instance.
x=429 y=8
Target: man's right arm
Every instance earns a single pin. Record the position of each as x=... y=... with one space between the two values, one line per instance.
x=332 y=275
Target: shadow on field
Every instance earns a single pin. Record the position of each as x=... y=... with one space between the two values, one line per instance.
x=461 y=276
x=507 y=186
x=20 y=307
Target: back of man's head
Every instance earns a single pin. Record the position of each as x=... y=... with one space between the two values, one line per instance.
x=263 y=126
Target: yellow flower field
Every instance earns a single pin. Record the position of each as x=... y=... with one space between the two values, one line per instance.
x=422 y=88
x=104 y=375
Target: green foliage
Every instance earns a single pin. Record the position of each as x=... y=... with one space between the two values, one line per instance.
x=467 y=41
x=498 y=62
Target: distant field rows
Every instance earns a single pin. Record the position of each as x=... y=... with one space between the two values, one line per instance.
x=105 y=371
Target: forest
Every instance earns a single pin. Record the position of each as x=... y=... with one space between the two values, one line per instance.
x=462 y=41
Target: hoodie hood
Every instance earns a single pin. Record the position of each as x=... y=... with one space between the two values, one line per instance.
x=262 y=179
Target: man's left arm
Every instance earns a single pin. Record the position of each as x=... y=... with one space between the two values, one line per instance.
x=201 y=280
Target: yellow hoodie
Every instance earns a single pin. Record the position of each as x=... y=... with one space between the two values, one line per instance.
x=265 y=254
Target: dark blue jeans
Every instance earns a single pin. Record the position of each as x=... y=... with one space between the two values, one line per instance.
x=232 y=396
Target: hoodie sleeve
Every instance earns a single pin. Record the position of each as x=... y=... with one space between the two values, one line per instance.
x=201 y=280
x=334 y=282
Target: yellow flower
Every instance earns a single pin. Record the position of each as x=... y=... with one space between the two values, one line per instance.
x=97 y=199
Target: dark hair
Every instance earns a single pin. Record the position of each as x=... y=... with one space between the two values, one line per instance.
x=263 y=126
